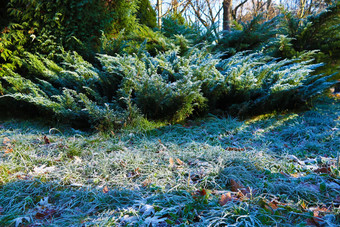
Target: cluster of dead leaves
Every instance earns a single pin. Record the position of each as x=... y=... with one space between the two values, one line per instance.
x=200 y=194
x=237 y=148
x=175 y=165
x=318 y=214
x=8 y=147
x=238 y=193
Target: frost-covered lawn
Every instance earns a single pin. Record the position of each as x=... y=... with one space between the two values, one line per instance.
x=269 y=170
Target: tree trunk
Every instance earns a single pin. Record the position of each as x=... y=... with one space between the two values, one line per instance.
x=302 y=8
x=227 y=4
x=159 y=9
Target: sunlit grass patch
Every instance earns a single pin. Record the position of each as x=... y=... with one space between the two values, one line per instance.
x=278 y=169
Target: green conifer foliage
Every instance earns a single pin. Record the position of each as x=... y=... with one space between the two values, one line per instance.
x=167 y=86
x=71 y=23
x=253 y=36
x=146 y=14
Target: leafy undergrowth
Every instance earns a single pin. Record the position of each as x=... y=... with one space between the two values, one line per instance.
x=269 y=170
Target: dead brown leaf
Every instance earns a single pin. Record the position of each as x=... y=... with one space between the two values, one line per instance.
x=146 y=183
x=171 y=163
x=46 y=140
x=179 y=161
x=45 y=214
x=242 y=191
x=6 y=141
x=235 y=186
x=9 y=150
x=105 y=190
x=199 y=193
x=134 y=173
x=235 y=149
x=323 y=170
x=225 y=198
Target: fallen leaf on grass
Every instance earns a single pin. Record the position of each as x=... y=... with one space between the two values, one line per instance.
x=271 y=206
x=105 y=190
x=146 y=183
x=23 y=177
x=162 y=147
x=179 y=161
x=199 y=193
x=6 y=141
x=234 y=149
x=9 y=150
x=46 y=140
x=45 y=214
x=7 y=144
x=319 y=210
x=285 y=174
x=225 y=198
x=323 y=170
x=235 y=186
x=239 y=187
x=171 y=163
x=134 y=173
x=43 y=169
x=303 y=205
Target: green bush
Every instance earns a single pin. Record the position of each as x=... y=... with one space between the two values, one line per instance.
x=73 y=25
x=167 y=86
x=162 y=87
x=141 y=39
x=254 y=35
x=256 y=83
x=146 y=14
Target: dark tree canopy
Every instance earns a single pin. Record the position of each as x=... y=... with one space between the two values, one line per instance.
x=146 y=14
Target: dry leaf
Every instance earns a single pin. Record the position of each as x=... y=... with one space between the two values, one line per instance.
x=45 y=214
x=323 y=170
x=236 y=186
x=179 y=161
x=171 y=163
x=122 y=163
x=234 y=149
x=105 y=189
x=295 y=175
x=273 y=205
x=285 y=174
x=318 y=210
x=146 y=183
x=304 y=205
x=134 y=173
x=9 y=150
x=225 y=198
x=46 y=140
x=43 y=169
x=6 y=141
x=199 y=193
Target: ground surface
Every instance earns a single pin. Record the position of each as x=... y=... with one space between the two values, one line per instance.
x=271 y=170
